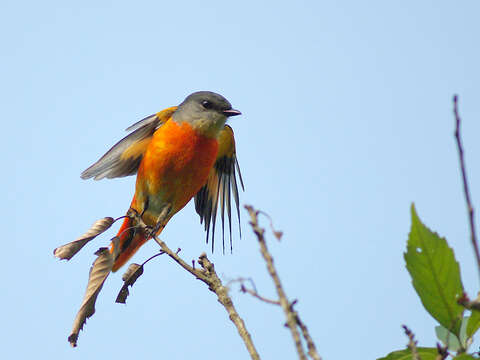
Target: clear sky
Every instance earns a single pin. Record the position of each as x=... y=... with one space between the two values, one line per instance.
x=347 y=119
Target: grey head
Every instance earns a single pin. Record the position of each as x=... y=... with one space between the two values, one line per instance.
x=205 y=111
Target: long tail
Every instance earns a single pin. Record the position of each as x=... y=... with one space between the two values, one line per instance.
x=131 y=237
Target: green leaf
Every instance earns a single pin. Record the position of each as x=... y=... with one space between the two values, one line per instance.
x=465 y=340
x=465 y=357
x=447 y=338
x=435 y=274
x=473 y=323
x=450 y=340
x=425 y=354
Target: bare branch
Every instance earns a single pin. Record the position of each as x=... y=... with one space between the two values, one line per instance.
x=466 y=190
x=285 y=304
x=207 y=275
x=312 y=350
x=215 y=285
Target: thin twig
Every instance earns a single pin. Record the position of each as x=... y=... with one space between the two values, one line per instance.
x=207 y=275
x=473 y=235
x=278 y=234
x=253 y=291
x=412 y=343
x=286 y=305
x=258 y=296
x=153 y=257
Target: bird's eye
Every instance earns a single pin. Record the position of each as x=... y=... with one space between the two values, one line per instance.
x=207 y=104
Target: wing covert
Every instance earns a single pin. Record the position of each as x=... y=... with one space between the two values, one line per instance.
x=221 y=186
x=125 y=156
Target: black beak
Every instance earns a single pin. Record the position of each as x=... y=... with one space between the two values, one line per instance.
x=231 y=112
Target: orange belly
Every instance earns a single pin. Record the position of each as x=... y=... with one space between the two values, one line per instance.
x=174 y=167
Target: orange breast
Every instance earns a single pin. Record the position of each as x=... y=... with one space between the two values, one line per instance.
x=174 y=167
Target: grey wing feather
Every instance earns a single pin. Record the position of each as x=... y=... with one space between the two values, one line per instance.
x=145 y=121
x=113 y=164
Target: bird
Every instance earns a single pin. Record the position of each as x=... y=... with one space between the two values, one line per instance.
x=182 y=152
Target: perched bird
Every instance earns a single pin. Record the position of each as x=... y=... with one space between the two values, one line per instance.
x=179 y=153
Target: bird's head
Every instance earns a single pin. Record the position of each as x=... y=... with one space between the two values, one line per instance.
x=206 y=112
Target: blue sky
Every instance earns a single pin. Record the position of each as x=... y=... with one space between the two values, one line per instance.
x=347 y=119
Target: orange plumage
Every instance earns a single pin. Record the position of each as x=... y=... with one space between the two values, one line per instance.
x=178 y=153
x=176 y=164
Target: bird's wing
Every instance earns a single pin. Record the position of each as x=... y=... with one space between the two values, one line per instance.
x=220 y=187
x=124 y=157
